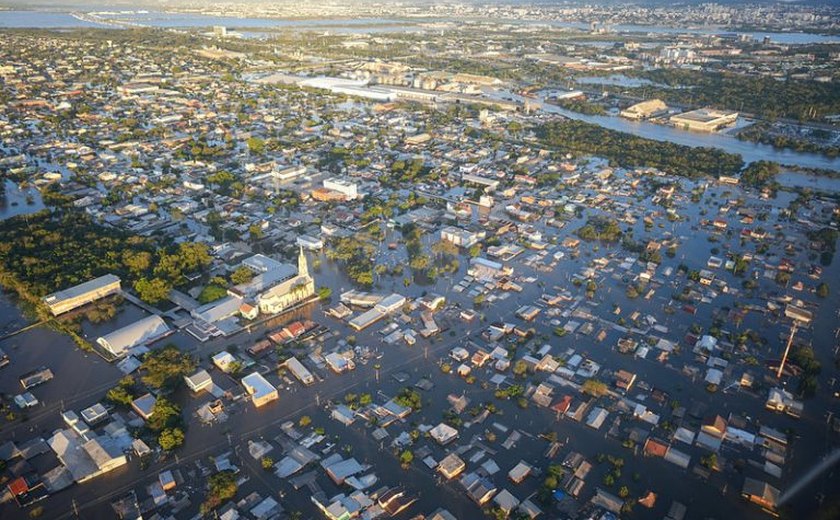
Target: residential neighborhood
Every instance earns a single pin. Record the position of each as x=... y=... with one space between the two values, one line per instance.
x=306 y=275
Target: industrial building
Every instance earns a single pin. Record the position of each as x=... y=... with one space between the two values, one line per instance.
x=82 y=294
x=386 y=306
x=704 y=119
x=138 y=333
x=645 y=110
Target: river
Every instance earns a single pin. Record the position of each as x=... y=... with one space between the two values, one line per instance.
x=60 y=19
x=749 y=151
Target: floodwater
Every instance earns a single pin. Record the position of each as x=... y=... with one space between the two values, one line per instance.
x=813 y=182
x=43 y=20
x=618 y=80
x=56 y=19
x=16 y=201
x=421 y=360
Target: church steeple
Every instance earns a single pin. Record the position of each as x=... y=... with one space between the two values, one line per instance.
x=303 y=266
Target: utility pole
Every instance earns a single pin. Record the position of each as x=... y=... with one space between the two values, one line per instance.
x=787 y=350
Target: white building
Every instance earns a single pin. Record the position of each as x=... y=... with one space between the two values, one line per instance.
x=346 y=187
x=290 y=292
x=138 y=333
x=461 y=237
x=84 y=293
x=260 y=390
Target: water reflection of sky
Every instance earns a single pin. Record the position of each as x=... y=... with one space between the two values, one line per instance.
x=19 y=202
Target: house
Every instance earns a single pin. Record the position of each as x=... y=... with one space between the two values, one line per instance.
x=343 y=414
x=260 y=390
x=225 y=361
x=655 y=447
x=624 y=380
x=459 y=354
x=714 y=426
x=443 y=434
x=542 y=395
x=340 y=469
x=506 y=501
x=299 y=371
x=596 y=417
x=479 y=489
x=519 y=472
x=249 y=311
x=339 y=363
x=451 y=466
x=86 y=459
x=562 y=406
x=480 y=357
x=167 y=480
x=608 y=501
x=199 y=381
x=144 y=406
x=442 y=514
x=94 y=414
x=760 y=493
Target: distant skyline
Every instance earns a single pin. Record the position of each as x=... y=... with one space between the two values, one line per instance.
x=94 y=4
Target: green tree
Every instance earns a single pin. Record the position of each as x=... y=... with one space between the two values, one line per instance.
x=165 y=414
x=221 y=487
x=193 y=256
x=152 y=291
x=166 y=367
x=137 y=262
x=123 y=393
x=760 y=173
x=409 y=398
x=241 y=275
x=211 y=293
x=406 y=458
x=255 y=231
x=324 y=293
x=594 y=387
x=171 y=438
x=520 y=368
x=256 y=145
x=823 y=290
